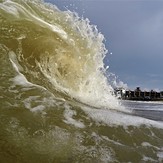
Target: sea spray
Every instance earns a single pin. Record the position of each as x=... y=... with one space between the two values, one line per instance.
x=59 y=48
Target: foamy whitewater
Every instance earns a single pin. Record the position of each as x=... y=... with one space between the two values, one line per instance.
x=56 y=102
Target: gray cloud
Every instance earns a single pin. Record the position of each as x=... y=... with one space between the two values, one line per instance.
x=134 y=34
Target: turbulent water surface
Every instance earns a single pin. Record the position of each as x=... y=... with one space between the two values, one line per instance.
x=55 y=102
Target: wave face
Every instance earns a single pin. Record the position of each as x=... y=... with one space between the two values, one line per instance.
x=56 y=103
x=58 y=48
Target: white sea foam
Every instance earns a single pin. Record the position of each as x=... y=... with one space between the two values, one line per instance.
x=115 y=118
x=68 y=114
x=149 y=159
x=38 y=108
x=146 y=144
x=9 y=9
x=20 y=79
x=160 y=155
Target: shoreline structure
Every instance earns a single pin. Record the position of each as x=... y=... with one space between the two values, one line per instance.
x=138 y=95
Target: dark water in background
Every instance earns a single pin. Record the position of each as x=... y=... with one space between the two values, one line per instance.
x=55 y=102
x=151 y=110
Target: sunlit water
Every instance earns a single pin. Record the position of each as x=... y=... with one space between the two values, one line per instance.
x=55 y=102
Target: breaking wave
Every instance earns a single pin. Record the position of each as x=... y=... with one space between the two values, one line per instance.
x=56 y=103
x=56 y=49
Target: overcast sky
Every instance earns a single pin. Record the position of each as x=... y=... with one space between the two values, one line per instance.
x=133 y=30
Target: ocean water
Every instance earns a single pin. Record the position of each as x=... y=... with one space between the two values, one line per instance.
x=56 y=104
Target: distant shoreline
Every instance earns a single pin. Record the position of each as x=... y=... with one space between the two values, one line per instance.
x=138 y=95
x=138 y=99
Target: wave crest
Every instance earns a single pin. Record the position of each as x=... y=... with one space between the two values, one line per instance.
x=59 y=48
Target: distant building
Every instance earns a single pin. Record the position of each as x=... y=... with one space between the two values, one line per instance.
x=139 y=95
